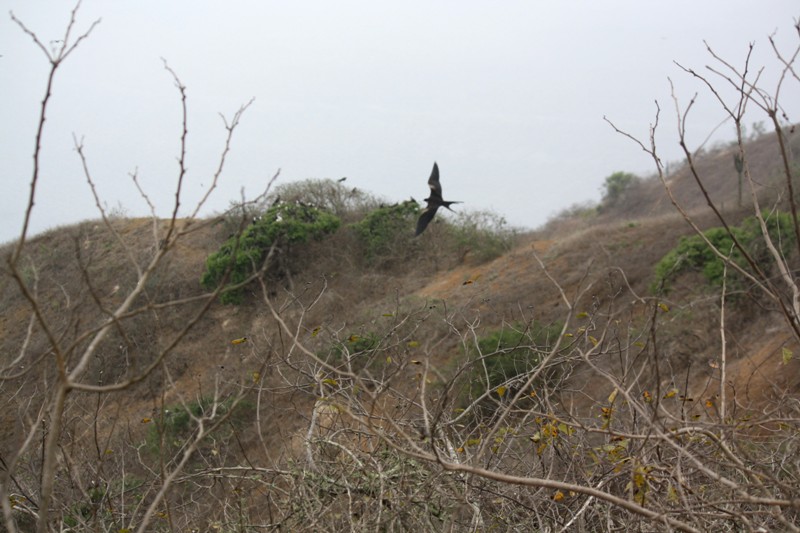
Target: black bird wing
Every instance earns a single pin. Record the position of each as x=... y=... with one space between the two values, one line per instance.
x=425 y=218
x=436 y=187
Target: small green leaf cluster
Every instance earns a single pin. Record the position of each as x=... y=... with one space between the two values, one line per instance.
x=281 y=225
x=693 y=253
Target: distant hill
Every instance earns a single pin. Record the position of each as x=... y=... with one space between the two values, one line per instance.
x=370 y=366
x=646 y=198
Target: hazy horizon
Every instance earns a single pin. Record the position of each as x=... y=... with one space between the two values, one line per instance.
x=509 y=99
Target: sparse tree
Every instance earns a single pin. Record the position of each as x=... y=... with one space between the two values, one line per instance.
x=615 y=185
x=61 y=476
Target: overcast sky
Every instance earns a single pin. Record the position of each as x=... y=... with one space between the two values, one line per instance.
x=508 y=97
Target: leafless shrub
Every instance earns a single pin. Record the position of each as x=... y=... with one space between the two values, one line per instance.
x=90 y=339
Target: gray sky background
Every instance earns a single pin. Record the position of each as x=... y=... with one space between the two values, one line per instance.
x=508 y=97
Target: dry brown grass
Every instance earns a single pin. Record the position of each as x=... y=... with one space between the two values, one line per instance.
x=612 y=255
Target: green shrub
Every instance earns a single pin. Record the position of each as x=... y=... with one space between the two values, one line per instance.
x=382 y=229
x=692 y=253
x=357 y=351
x=281 y=225
x=482 y=234
x=507 y=356
x=86 y=509
x=332 y=196
x=177 y=422
x=615 y=186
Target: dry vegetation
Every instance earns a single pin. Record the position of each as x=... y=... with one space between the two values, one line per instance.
x=468 y=380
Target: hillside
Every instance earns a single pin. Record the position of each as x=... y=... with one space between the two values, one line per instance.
x=472 y=378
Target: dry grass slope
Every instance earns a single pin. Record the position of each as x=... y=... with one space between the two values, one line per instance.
x=369 y=349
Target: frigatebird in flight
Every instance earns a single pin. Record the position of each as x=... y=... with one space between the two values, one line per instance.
x=435 y=201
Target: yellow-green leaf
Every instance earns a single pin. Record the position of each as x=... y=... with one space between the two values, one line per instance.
x=613 y=395
x=330 y=381
x=563 y=428
x=672 y=494
x=787 y=355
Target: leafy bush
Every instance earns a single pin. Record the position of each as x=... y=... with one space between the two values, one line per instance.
x=177 y=422
x=482 y=234
x=508 y=355
x=85 y=509
x=382 y=229
x=356 y=351
x=693 y=253
x=281 y=225
x=580 y=210
x=385 y=232
x=615 y=186
x=326 y=194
